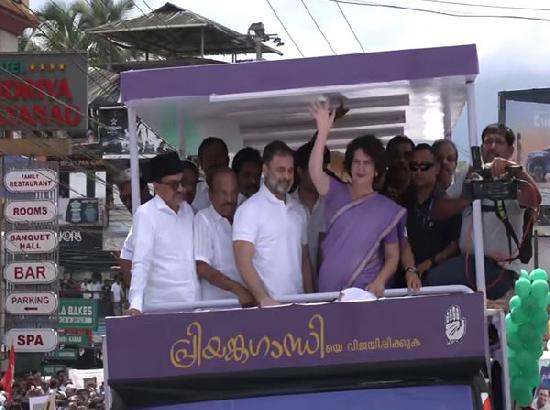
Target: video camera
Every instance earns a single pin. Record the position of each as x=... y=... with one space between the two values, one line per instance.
x=481 y=184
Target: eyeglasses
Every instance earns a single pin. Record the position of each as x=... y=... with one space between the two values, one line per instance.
x=420 y=166
x=174 y=184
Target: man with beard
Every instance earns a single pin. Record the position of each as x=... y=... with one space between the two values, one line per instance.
x=163 y=264
x=270 y=233
x=247 y=164
x=214 y=257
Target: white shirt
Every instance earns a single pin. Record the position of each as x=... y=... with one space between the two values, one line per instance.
x=214 y=246
x=315 y=226
x=163 y=265
x=116 y=290
x=495 y=240
x=127 y=251
x=278 y=231
x=455 y=189
x=202 y=197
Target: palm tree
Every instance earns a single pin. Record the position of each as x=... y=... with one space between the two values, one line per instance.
x=64 y=27
x=95 y=13
x=61 y=28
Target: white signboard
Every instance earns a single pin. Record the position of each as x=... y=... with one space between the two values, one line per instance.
x=30 y=211
x=30 y=273
x=32 y=340
x=31 y=241
x=31 y=303
x=30 y=180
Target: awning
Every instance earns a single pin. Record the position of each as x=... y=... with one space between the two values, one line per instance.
x=418 y=92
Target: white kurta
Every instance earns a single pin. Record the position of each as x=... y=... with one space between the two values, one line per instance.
x=163 y=265
x=214 y=246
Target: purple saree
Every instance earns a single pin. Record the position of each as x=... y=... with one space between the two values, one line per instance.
x=353 y=249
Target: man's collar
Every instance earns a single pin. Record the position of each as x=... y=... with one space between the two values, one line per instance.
x=162 y=206
x=264 y=190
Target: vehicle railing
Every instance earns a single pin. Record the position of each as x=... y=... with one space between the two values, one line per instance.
x=328 y=297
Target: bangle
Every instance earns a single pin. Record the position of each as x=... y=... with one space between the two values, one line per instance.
x=433 y=261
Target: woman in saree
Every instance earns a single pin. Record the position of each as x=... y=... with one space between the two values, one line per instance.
x=364 y=228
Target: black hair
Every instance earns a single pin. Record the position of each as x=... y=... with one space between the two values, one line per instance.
x=301 y=157
x=439 y=143
x=499 y=129
x=399 y=139
x=247 y=154
x=211 y=141
x=371 y=146
x=425 y=147
x=276 y=147
x=217 y=171
x=189 y=165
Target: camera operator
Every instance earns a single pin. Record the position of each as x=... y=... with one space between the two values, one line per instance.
x=503 y=223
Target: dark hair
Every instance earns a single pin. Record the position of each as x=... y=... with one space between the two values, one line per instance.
x=399 y=139
x=439 y=143
x=214 y=174
x=424 y=147
x=371 y=146
x=499 y=129
x=211 y=141
x=276 y=147
x=189 y=165
x=247 y=154
x=302 y=154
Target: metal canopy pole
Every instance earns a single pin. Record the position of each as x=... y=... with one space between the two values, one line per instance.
x=134 y=157
x=477 y=215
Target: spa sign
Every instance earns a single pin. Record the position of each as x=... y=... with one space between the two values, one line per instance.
x=44 y=91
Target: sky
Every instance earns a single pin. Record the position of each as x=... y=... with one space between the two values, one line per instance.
x=513 y=54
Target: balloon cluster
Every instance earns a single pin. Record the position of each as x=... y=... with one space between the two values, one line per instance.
x=526 y=324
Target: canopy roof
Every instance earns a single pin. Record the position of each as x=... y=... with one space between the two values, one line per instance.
x=418 y=92
x=170 y=30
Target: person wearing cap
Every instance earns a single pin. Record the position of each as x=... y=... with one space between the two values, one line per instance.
x=164 y=277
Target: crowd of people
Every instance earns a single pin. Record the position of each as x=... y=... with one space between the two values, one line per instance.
x=67 y=396
x=282 y=222
x=110 y=294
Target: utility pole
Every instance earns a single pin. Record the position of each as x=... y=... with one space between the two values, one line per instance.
x=259 y=36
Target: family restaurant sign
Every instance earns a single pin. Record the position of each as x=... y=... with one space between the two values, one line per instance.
x=186 y=344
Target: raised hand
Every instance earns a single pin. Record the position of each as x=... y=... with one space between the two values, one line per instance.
x=324 y=117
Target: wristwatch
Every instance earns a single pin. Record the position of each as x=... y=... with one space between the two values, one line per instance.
x=433 y=261
x=412 y=269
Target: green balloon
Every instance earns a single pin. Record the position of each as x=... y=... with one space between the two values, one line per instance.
x=527 y=332
x=530 y=303
x=513 y=369
x=538 y=274
x=523 y=287
x=518 y=386
x=514 y=302
x=524 y=398
x=519 y=316
x=514 y=342
x=525 y=358
x=539 y=289
x=511 y=327
x=540 y=318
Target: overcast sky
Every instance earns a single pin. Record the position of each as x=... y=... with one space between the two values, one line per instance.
x=513 y=54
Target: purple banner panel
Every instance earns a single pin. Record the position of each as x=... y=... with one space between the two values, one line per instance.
x=410 y=398
x=183 y=344
x=350 y=69
x=294 y=336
